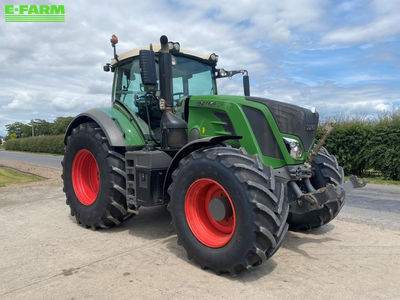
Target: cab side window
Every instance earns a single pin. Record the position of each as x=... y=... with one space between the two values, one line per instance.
x=128 y=84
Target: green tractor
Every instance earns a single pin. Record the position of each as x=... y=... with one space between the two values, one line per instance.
x=234 y=171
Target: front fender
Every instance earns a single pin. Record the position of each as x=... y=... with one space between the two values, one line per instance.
x=189 y=148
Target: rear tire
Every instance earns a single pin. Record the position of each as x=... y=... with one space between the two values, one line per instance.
x=95 y=202
x=251 y=233
x=325 y=171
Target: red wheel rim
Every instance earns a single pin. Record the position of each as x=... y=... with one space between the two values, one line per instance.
x=85 y=177
x=209 y=231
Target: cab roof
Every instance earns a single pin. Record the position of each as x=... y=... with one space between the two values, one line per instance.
x=135 y=52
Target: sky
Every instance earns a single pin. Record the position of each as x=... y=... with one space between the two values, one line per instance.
x=341 y=57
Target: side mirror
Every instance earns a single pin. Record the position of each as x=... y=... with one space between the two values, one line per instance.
x=148 y=67
x=246 y=85
x=106 y=68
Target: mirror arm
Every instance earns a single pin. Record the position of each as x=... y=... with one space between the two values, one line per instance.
x=231 y=73
x=245 y=73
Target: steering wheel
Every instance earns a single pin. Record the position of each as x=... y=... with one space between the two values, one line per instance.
x=180 y=96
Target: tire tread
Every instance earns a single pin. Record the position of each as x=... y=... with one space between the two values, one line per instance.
x=115 y=211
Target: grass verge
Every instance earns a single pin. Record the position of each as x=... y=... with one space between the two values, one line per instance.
x=12 y=176
x=379 y=180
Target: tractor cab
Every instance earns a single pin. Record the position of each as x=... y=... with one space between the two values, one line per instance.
x=192 y=74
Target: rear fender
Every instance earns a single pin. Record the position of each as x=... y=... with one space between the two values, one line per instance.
x=110 y=129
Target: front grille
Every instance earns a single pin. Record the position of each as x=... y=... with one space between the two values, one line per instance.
x=261 y=129
x=228 y=127
x=292 y=119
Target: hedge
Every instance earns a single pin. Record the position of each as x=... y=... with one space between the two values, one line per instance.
x=384 y=147
x=47 y=144
x=361 y=146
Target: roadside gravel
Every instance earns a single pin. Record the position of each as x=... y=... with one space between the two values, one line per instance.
x=52 y=175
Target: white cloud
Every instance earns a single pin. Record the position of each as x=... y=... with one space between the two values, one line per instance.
x=56 y=69
x=78 y=102
x=374 y=31
x=384 y=24
x=270 y=19
x=383 y=107
x=22 y=101
x=329 y=98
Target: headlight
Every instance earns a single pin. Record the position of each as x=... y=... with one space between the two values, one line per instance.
x=222 y=73
x=293 y=147
x=173 y=46
x=177 y=47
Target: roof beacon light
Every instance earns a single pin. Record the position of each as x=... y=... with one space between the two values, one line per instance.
x=114 y=41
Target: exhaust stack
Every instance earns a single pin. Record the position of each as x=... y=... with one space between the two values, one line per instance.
x=173 y=129
x=165 y=70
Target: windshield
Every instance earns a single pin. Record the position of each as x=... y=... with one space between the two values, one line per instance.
x=190 y=77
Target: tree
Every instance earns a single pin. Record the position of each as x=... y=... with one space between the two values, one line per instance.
x=19 y=129
x=41 y=127
x=26 y=130
x=60 y=125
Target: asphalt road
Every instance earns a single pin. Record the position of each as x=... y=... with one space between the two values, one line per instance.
x=44 y=254
x=376 y=204
x=37 y=159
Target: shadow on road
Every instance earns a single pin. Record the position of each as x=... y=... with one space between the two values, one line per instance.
x=151 y=224
x=294 y=242
x=155 y=224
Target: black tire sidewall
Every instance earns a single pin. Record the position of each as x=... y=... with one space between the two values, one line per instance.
x=317 y=218
x=318 y=180
x=85 y=139
x=232 y=252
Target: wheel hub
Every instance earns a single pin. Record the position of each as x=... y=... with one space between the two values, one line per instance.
x=210 y=213
x=220 y=208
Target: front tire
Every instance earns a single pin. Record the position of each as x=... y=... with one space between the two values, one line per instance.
x=94 y=178
x=253 y=223
x=325 y=171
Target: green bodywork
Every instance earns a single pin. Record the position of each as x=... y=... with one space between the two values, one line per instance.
x=202 y=117
x=132 y=134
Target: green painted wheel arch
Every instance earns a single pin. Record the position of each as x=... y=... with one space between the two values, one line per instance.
x=115 y=123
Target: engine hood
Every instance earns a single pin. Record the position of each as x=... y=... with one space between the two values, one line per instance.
x=292 y=119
